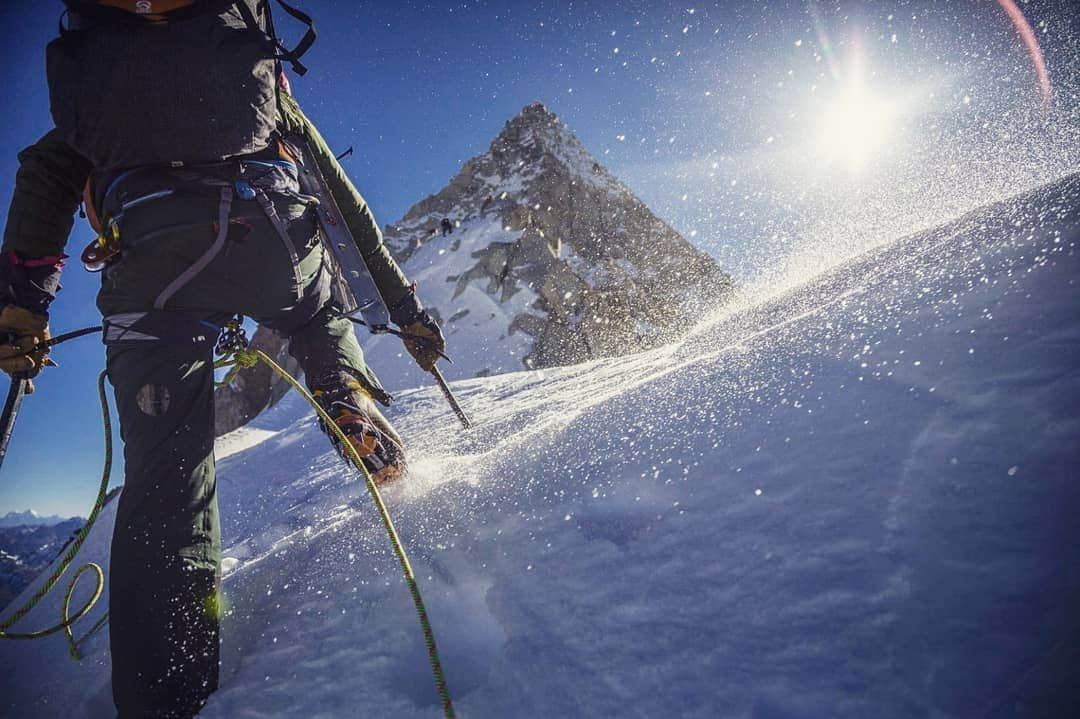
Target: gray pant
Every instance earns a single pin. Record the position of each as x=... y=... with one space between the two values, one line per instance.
x=189 y=262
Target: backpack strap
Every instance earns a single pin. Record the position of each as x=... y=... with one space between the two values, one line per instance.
x=293 y=56
x=284 y=55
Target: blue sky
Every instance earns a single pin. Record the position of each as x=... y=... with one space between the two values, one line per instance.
x=712 y=112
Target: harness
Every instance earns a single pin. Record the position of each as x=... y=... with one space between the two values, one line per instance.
x=245 y=179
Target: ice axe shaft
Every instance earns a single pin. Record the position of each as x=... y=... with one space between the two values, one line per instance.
x=11 y=412
x=465 y=422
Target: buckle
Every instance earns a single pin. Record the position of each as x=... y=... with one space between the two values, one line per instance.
x=103 y=248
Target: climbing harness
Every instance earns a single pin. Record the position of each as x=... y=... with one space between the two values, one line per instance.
x=106 y=245
x=232 y=348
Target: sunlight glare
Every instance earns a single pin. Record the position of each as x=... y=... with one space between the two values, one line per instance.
x=855 y=128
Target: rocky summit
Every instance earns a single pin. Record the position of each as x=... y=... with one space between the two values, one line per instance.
x=571 y=265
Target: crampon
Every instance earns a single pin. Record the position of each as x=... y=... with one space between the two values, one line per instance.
x=379 y=446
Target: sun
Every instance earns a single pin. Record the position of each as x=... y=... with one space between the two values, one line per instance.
x=855 y=128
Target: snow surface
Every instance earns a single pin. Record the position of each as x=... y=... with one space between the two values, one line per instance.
x=855 y=499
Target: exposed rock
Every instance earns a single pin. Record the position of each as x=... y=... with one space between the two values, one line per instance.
x=608 y=276
x=254 y=389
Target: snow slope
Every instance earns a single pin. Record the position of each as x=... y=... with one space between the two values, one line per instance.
x=856 y=499
x=476 y=323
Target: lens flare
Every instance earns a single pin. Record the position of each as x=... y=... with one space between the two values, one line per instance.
x=823 y=39
x=1027 y=34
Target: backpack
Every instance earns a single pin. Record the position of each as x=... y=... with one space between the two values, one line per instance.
x=168 y=82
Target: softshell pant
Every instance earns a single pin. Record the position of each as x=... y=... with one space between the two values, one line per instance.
x=189 y=262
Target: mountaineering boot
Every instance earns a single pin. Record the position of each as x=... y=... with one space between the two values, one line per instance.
x=350 y=405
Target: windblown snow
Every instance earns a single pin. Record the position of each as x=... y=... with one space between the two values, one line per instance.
x=478 y=331
x=854 y=499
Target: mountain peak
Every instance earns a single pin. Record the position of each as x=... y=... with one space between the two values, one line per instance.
x=536 y=255
x=537 y=109
x=533 y=134
x=534 y=115
x=534 y=147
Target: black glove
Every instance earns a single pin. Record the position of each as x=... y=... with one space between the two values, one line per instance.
x=420 y=332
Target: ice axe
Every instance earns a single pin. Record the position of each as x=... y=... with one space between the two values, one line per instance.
x=454 y=404
x=447 y=392
x=19 y=383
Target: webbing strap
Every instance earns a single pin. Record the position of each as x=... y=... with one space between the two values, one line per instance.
x=282 y=231
x=290 y=56
x=200 y=264
x=293 y=56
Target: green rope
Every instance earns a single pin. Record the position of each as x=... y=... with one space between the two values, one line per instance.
x=240 y=359
x=67 y=619
x=246 y=358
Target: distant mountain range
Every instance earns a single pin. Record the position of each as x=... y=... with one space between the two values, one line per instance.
x=29 y=546
x=29 y=518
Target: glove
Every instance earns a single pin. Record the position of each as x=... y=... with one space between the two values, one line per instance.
x=424 y=340
x=20 y=331
x=421 y=334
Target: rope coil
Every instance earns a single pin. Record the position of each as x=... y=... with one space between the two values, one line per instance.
x=67 y=619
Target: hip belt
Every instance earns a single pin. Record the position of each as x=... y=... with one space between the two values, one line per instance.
x=243 y=179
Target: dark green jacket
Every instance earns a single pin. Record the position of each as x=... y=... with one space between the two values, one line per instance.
x=51 y=177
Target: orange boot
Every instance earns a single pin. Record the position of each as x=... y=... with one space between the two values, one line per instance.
x=379 y=446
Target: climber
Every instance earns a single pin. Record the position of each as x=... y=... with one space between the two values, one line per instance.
x=197 y=202
x=447 y=226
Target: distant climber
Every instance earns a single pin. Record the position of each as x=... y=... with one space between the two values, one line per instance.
x=446 y=226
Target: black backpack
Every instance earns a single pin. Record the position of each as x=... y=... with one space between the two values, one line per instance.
x=193 y=83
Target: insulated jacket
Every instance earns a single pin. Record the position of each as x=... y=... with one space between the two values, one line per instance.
x=50 y=181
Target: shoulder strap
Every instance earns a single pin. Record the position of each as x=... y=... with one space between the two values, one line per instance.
x=284 y=54
x=293 y=56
